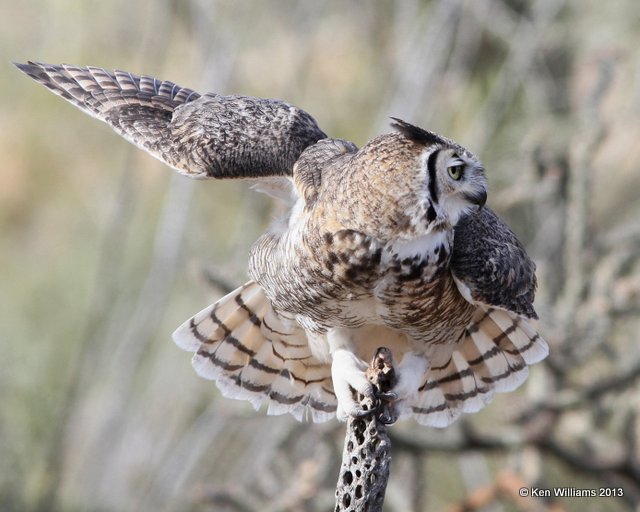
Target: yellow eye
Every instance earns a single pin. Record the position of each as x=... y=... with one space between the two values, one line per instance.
x=455 y=171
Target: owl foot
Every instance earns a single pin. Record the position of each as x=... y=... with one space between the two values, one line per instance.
x=349 y=379
x=363 y=390
x=387 y=412
x=382 y=375
x=408 y=377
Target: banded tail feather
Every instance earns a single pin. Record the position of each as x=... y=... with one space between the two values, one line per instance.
x=255 y=354
x=493 y=356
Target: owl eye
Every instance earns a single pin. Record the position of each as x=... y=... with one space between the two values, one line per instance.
x=455 y=171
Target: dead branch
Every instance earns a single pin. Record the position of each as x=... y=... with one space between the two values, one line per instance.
x=366 y=456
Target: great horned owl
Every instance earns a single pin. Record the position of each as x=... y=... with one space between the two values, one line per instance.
x=387 y=245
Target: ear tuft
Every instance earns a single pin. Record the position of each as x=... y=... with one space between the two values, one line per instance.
x=415 y=133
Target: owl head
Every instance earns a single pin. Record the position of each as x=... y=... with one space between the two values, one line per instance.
x=400 y=185
x=455 y=180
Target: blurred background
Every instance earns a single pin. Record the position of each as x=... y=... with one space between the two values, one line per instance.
x=104 y=251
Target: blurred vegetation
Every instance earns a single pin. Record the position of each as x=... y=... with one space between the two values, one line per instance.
x=104 y=252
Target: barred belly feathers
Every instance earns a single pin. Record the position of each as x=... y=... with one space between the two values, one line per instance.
x=387 y=245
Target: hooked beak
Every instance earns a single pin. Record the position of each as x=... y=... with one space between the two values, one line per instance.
x=478 y=199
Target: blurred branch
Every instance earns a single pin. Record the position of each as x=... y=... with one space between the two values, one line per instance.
x=577 y=234
x=583 y=397
x=218 y=279
x=418 y=485
x=623 y=468
x=223 y=498
x=430 y=32
x=505 y=487
x=467 y=439
x=96 y=324
x=522 y=36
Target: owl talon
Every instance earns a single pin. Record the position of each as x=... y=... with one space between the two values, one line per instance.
x=361 y=412
x=387 y=407
x=379 y=406
x=353 y=409
x=382 y=406
x=388 y=419
x=387 y=396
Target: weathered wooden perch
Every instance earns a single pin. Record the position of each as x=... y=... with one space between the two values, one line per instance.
x=366 y=456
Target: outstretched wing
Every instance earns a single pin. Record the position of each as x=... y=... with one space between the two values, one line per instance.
x=490 y=262
x=201 y=136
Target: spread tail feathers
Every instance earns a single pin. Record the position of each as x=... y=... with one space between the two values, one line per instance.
x=493 y=356
x=255 y=354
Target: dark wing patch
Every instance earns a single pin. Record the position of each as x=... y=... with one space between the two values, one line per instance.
x=490 y=260
x=208 y=136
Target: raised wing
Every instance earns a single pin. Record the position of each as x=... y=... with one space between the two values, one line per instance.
x=201 y=136
x=492 y=264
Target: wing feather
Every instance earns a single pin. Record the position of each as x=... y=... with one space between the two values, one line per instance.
x=491 y=266
x=201 y=136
